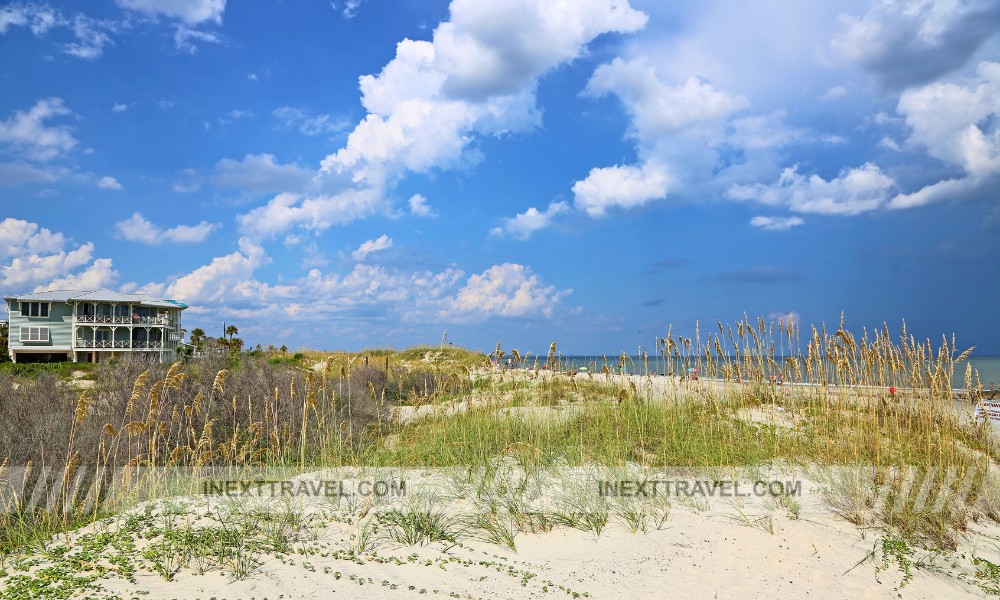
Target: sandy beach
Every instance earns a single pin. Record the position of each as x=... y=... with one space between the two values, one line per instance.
x=693 y=553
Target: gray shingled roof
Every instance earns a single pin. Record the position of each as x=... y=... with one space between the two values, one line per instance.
x=50 y=296
x=101 y=295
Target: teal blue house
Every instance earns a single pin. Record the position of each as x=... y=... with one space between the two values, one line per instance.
x=90 y=326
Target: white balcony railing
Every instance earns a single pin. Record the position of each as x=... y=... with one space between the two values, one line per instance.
x=133 y=320
x=119 y=344
x=151 y=320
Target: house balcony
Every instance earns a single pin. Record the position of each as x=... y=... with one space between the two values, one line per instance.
x=133 y=320
x=120 y=344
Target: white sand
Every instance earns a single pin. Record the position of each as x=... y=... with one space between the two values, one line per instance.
x=694 y=555
x=725 y=548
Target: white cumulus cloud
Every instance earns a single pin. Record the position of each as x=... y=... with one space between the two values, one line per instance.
x=137 y=229
x=625 y=186
x=318 y=213
x=957 y=123
x=853 y=192
x=506 y=290
x=419 y=206
x=676 y=129
x=381 y=243
x=523 y=225
x=109 y=183
x=40 y=259
x=658 y=109
x=227 y=279
x=28 y=132
x=476 y=76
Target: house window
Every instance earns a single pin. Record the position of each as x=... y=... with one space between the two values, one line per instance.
x=34 y=334
x=13 y=305
x=102 y=335
x=34 y=309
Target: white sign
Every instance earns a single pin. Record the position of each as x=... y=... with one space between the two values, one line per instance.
x=988 y=410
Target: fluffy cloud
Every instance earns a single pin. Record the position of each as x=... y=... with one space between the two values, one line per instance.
x=98 y=274
x=958 y=124
x=671 y=124
x=227 y=279
x=524 y=225
x=853 y=192
x=191 y=12
x=228 y=287
x=946 y=190
x=622 y=186
x=658 y=109
x=285 y=211
x=137 y=229
x=776 y=223
x=260 y=174
x=507 y=290
x=419 y=206
x=27 y=132
x=39 y=260
x=382 y=243
x=911 y=43
x=430 y=102
x=18 y=238
x=478 y=57
x=108 y=183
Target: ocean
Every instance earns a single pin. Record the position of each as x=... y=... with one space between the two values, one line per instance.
x=987 y=367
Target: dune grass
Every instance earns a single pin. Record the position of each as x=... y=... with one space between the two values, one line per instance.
x=829 y=404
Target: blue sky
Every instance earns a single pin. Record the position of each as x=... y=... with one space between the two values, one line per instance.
x=359 y=174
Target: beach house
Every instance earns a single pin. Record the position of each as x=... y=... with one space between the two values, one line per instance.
x=91 y=326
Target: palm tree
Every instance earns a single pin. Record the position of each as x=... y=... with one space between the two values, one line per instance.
x=231 y=331
x=197 y=335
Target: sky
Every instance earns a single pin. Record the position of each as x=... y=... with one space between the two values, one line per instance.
x=361 y=173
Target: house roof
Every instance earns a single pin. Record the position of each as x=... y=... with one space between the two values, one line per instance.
x=50 y=296
x=101 y=295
